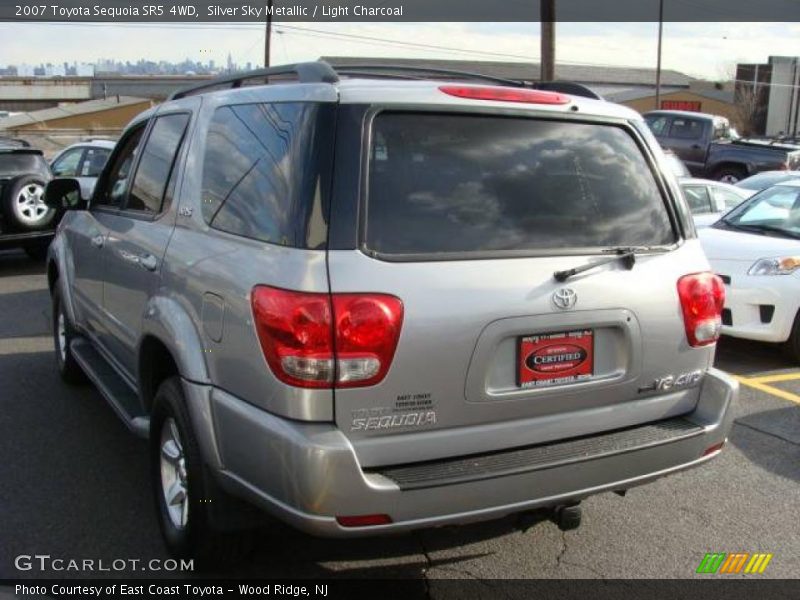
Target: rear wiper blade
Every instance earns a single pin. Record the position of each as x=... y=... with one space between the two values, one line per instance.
x=625 y=254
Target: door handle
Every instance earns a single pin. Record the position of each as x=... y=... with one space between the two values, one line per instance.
x=148 y=261
x=98 y=241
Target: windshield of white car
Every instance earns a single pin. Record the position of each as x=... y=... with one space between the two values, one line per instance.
x=766 y=179
x=775 y=211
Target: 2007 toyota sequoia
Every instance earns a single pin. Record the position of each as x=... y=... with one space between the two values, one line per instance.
x=374 y=304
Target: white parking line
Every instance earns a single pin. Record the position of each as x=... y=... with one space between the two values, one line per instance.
x=25 y=345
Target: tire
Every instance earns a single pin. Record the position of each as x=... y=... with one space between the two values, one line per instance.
x=37 y=252
x=183 y=487
x=63 y=334
x=730 y=174
x=24 y=207
x=792 y=345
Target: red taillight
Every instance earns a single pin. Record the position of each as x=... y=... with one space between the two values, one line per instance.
x=702 y=297
x=715 y=448
x=364 y=520
x=499 y=94
x=367 y=330
x=313 y=340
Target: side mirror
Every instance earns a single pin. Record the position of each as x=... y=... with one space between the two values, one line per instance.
x=64 y=193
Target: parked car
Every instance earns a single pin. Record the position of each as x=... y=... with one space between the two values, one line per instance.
x=761 y=181
x=500 y=285
x=756 y=250
x=25 y=220
x=709 y=200
x=9 y=142
x=676 y=165
x=705 y=143
x=84 y=161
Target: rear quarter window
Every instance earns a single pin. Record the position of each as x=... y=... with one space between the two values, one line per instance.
x=262 y=172
x=440 y=184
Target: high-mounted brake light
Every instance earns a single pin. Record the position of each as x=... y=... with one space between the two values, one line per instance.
x=702 y=297
x=317 y=340
x=499 y=94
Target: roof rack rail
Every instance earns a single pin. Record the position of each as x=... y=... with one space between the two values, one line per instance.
x=307 y=72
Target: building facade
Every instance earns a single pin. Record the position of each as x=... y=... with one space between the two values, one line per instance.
x=768 y=96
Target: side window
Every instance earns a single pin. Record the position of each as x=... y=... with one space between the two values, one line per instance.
x=157 y=162
x=698 y=199
x=259 y=166
x=726 y=199
x=686 y=129
x=67 y=165
x=115 y=184
x=93 y=162
x=658 y=125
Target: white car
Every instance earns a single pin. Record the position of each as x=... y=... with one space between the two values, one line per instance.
x=755 y=248
x=709 y=200
x=84 y=161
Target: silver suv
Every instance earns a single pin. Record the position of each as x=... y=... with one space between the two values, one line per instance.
x=375 y=304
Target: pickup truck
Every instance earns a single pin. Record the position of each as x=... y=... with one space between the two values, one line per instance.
x=712 y=150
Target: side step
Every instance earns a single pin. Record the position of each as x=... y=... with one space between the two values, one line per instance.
x=116 y=391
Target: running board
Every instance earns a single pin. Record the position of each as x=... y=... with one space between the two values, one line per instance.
x=112 y=386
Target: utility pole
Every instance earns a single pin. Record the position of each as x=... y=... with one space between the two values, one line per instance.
x=547 y=12
x=268 y=35
x=658 y=64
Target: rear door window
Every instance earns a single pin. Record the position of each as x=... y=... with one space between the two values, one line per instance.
x=93 y=161
x=698 y=199
x=67 y=164
x=443 y=184
x=156 y=164
x=726 y=199
x=686 y=129
x=657 y=124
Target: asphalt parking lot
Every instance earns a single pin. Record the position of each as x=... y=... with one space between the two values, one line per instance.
x=74 y=484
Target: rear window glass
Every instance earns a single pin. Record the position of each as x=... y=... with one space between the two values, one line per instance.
x=466 y=184
x=17 y=163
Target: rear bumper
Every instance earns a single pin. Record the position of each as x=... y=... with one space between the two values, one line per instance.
x=307 y=474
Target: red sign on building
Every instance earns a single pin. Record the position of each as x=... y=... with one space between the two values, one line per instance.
x=691 y=105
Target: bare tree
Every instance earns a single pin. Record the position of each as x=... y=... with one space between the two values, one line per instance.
x=748 y=109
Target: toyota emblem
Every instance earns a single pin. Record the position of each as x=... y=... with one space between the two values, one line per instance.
x=565 y=298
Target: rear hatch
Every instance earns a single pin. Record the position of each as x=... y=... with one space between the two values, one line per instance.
x=465 y=218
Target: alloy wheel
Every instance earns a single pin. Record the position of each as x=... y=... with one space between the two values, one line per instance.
x=174 y=477
x=30 y=206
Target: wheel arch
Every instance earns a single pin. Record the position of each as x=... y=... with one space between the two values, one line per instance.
x=727 y=163
x=169 y=345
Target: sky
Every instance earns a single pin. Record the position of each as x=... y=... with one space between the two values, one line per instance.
x=705 y=50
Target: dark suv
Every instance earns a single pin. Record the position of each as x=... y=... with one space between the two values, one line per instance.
x=25 y=219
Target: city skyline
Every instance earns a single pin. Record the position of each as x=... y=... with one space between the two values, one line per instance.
x=705 y=50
